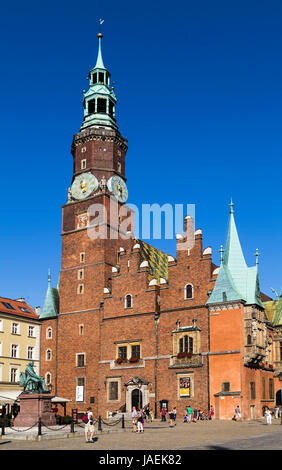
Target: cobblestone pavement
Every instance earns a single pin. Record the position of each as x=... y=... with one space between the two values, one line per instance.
x=158 y=436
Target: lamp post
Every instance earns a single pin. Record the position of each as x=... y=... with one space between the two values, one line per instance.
x=157 y=317
x=139 y=401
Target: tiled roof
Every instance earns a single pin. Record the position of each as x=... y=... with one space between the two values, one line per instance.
x=157 y=261
x=16 y=307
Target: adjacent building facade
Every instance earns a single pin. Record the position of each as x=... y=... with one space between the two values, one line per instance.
x=129 y=325
x=19 y=344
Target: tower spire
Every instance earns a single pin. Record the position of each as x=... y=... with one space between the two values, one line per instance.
x=99 y=101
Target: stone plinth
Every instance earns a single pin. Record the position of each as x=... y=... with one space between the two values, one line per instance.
x=33 y=407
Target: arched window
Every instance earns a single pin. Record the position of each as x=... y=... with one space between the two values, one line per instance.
x=48 y=355
x=249 y=339
x=128 y=302
x=188 y=291
x=48 y=378
x=49 y=333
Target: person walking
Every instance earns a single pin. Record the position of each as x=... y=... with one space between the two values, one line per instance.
x=276 y=411
x=212 y=412
x=134 y=416
x=175 y=413
x=195 y=415
x=89 y=425
x=171 y=419
x=189 y=413
x=163 y=414
x=238 y=416
x=140 y=420
x=267 y=414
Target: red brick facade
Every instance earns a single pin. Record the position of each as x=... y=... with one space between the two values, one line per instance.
x=103 y=343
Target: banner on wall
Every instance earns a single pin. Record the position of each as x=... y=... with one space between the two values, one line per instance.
x=184 y=387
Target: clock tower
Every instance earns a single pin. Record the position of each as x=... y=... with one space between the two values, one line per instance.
x=91 y=220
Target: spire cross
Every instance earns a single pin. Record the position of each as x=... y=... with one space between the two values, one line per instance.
x=221 y=251
x=49 y=276
x=257 y=254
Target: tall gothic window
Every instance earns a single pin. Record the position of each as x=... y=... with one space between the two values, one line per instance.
x=188 y=291
x=186 y=344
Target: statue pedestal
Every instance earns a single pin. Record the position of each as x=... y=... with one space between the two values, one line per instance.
x=34 y=406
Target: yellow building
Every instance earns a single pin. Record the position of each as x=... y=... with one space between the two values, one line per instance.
x=19 y=344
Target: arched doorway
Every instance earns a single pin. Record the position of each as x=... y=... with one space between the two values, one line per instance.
x=136 y=399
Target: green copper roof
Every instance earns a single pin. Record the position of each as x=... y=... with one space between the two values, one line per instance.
x=99 y=101
x=51 y=304
x=99 y=62
x=235 y=280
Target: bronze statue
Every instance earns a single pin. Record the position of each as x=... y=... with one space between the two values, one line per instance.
x=31 y=382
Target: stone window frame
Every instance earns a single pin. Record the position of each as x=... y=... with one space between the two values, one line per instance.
x=48 y=381
x=108 y=381
x=82 y=257
x=128 y=345
x=126 y=302
x=189 y=338
x=181 y=375
x=185 y=291
x=194 y=333
x=49 y=332
x=80 y=274
x=81 y=329
x=80 y=289
x=81 y=354
x=48 y=354
x=83 y=164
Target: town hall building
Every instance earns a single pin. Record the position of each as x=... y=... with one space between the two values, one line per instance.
x=129 y=325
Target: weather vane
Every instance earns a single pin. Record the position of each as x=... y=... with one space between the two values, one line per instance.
x=100 y=24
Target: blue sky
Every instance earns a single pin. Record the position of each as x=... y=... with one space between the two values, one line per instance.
x=199 y=88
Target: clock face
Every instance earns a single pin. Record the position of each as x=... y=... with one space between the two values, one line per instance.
x=84 y=185
x=117 y=186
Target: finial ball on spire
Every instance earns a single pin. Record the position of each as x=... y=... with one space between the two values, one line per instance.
x=99 y=35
